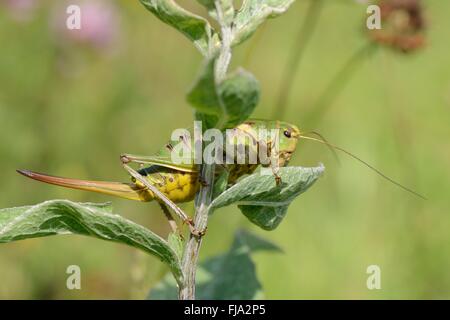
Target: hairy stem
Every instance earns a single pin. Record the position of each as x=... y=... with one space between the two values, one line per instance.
x=204 y=196
x=192 y=249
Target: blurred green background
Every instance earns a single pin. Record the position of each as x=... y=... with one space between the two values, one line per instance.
x=70 y=105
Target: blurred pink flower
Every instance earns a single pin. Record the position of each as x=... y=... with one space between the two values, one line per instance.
x=21 y=10
x=99 y=23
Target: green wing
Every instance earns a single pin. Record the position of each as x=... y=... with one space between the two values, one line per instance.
x=164 y=156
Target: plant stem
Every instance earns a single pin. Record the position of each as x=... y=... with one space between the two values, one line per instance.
x=338 y=83
x=304 y=35
x=192 y=249
x=203 y=198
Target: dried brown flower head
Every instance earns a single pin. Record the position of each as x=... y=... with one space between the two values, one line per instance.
x=402 y=25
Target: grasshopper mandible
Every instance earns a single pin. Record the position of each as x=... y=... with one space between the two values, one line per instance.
x=169 y=183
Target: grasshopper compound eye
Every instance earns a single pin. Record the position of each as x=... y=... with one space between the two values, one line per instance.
x=287 y=133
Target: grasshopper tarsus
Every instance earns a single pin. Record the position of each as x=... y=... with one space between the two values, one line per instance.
x=278 y=180
x=198 y=233
x=188 y=221
x=124 y=159
x=203 y=182
x=194 y=231
x=203 y=232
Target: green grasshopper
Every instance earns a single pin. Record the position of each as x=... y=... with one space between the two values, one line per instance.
x=160 y=179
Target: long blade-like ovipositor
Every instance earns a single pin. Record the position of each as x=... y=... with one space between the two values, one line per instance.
x=123 y=190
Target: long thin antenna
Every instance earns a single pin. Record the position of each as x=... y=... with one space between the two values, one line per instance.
x=333 y=151
x=366 y=164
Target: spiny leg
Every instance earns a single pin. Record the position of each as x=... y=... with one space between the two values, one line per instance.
x=156 y=160
x=274 y=155
x=275 y=170
x=142 y=160
x=164 y=198
x=157 y=193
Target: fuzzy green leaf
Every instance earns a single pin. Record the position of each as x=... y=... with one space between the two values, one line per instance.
x=196 y=28
x=253 y=13
x=232 y=101
x=227 y=8
x=261 y=200
x=176 y=243
x=220 y=184
x=204 y=96
x=95 y=220
x=230 y=276
x=240 y=95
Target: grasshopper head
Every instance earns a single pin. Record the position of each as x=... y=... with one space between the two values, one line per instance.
x=288 y=138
